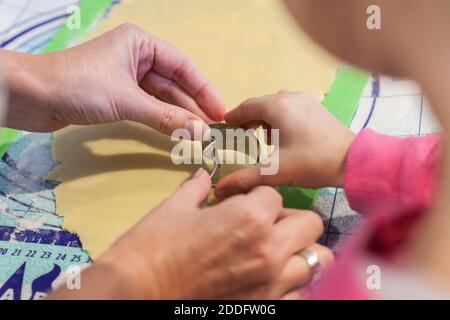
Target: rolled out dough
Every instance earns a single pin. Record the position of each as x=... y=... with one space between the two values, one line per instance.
x=111 y=175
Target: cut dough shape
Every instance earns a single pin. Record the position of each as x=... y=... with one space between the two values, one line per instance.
x=111 y=175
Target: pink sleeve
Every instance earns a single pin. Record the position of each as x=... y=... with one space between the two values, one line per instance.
x=390 y=180
x=388 y=174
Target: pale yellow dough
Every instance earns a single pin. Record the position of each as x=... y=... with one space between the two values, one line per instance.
x=113 y=174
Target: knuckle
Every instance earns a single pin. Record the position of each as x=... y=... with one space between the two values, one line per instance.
x=314 y=221
x=283 y=102
x=308 y=101
x=286 y=101
x=281 y=99
x=252 y=219
x=184 y=69
x=267 y=261
x=260 y=223
x=167 y=120
x=327 y=257
x=167 y=90
x=269 y=193
x=306 y=95
x=248 y=100
x=276 y=196
x=127 y=28
x=247 y=213
x=241 y=209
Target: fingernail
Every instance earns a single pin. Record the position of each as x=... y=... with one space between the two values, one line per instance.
x=196 y=128
x=199 y=172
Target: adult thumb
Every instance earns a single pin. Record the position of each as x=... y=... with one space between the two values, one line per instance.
x=194 y=191
x=242 y=181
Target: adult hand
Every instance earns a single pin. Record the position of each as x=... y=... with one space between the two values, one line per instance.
x=313 y=144
x=245 y=247
x=126 y=74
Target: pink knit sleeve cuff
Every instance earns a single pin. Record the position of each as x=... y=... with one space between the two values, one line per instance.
x=388 y=173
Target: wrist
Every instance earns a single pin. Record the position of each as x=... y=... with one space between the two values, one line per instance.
x=134 y=273
x=98 y=282
x=29 y=88
x=19 y=73
x=344 y=147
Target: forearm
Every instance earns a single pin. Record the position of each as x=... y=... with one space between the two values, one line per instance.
x=31 y=89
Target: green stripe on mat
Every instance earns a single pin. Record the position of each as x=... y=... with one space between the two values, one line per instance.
x=342 y=101
x=91 y=11
x=7 y=136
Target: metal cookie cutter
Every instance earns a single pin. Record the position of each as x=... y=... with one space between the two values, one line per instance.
x=211 y=146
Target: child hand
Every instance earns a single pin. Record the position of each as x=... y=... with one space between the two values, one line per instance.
x=313 y=144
